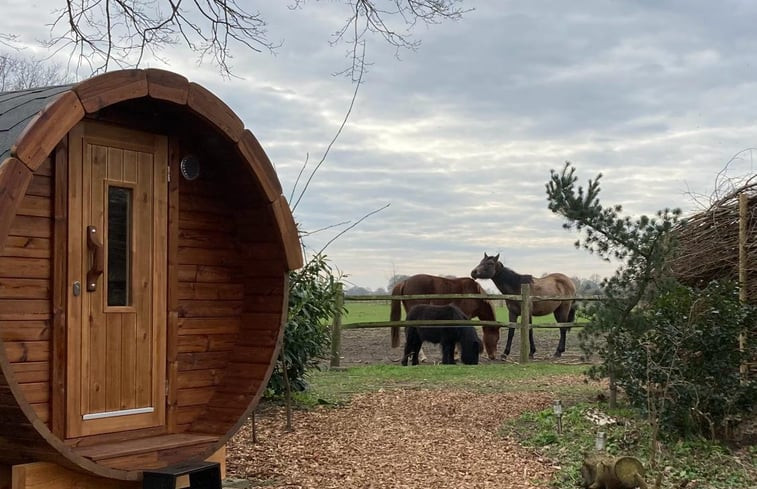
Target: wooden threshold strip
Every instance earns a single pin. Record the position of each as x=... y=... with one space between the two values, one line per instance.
x=144 y=445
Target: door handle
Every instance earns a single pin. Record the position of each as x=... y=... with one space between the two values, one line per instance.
x=95 y=245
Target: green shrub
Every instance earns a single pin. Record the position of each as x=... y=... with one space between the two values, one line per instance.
x=674 y=350
x=312 y=304
x=682 y=363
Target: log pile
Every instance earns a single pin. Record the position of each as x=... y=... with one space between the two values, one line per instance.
x=708 y=242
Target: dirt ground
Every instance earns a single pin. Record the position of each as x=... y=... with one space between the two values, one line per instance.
x=398 y=439
x=371 y=346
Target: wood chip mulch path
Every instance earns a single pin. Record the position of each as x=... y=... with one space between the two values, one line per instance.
x=394 y=439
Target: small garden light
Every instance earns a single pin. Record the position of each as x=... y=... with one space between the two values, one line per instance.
x=600 y=442
x=557 y=408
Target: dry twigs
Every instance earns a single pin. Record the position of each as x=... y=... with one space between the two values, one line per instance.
x=709 y=240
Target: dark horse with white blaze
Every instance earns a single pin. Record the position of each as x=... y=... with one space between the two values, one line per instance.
x=509 y=282
x=448 y=336
x=431 y=284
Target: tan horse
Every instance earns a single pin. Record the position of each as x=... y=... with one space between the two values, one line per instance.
x=431 y=284
x=509 y=282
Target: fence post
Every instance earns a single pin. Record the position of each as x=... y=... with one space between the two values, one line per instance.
x=743 y=284
x=336 y=327
x=525 y=321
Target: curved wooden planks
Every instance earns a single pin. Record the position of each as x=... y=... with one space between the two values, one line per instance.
x=166 y=85
x=32 y=439
x=290 y=238
x=14 y=179
x=251 y=366
x=110 y=88
x=263 y=330
x=203 y=102
x=261 y=166
x=45 y=130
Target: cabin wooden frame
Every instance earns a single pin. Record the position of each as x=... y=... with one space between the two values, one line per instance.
x=166 y=356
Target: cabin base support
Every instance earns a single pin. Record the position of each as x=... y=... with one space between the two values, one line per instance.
x=45 y=475
x=202 y=475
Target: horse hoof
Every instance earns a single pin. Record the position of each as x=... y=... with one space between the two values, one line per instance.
x=503 y=357
x=557 y=354
x=530 y=356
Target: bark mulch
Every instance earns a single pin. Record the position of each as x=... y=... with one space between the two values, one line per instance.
x=394 y=439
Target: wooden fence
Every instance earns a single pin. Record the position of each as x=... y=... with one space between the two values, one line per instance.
x=525 y=298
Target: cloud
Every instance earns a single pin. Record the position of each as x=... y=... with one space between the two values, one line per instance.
x=460 y=136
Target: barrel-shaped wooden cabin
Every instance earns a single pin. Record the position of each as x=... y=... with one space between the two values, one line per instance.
x=145 y=247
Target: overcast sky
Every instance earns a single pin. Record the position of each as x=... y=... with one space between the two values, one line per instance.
x=459 y=136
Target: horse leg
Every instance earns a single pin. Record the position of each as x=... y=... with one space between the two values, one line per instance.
x=415 y=354
x=448 y=353
x=564 y=316
x=561 y=344
x=408 y=350
x=532 y=351
x=510 y=333
x=491 y=338
x=413 y=343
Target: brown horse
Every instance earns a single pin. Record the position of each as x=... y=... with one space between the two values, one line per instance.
x=431 y=284
x=509 y=282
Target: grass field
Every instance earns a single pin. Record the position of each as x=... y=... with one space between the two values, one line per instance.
x=370 y=311
x=331 y=387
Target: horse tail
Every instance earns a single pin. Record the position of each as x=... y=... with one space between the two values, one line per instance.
x=396 y=313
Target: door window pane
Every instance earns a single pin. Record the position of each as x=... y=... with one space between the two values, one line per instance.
x=119 y=239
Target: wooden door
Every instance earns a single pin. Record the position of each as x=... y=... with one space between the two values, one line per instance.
x=117 y=245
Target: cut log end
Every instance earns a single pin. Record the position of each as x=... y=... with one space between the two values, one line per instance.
x=601 y=471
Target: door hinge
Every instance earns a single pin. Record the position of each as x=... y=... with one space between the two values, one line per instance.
x=168 y=169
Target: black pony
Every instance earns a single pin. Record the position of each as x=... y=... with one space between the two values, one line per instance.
x=470 y=344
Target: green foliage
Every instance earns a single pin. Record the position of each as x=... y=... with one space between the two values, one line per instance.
x=673 y=349
x=312 y=305
x=680 y=463
x=683 y=364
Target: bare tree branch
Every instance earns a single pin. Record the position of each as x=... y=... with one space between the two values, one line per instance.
x=102 y=33
x=18 y=72
x=341 y=233
x=122 y=32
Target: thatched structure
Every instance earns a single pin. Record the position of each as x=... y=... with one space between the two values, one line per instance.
x=709 y=241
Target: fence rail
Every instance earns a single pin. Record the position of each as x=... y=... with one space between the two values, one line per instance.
x=525 y=298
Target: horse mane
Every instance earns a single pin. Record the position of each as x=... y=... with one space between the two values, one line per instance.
x=511 y=277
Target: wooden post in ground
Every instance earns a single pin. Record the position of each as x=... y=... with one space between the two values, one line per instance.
x=336 y=327
x=525 y=321
x=743 y=257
